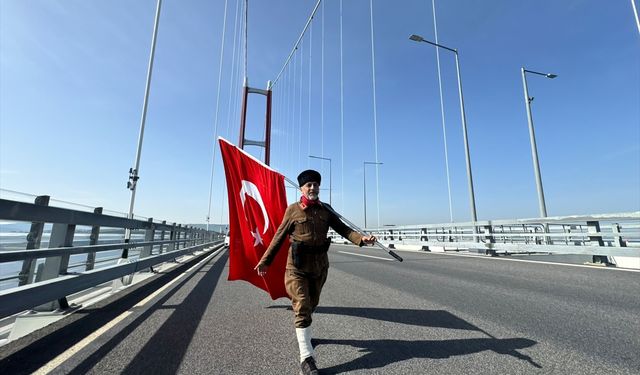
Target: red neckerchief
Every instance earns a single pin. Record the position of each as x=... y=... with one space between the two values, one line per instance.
x=306 y=202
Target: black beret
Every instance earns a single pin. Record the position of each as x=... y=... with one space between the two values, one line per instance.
x=308 y=176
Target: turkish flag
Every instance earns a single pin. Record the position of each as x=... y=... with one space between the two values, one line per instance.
x=257 y=202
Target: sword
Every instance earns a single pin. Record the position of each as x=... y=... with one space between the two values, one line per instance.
x=381 y=246
x=353 y=226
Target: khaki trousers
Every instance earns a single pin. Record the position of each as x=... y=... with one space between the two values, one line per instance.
x=304 y=289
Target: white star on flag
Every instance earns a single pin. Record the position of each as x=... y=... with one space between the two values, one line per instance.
x=257 y=238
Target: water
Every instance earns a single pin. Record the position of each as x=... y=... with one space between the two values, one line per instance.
x=12 y=241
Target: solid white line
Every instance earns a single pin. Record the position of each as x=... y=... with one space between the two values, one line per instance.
x=57 y=361
x=535 y=261
x=363 y=255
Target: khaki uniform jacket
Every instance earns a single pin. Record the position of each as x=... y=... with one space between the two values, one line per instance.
x=309 y=225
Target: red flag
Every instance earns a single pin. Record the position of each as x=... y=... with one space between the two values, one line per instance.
x=257 y=202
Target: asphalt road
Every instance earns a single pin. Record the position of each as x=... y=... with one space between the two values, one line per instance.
x=433 y=313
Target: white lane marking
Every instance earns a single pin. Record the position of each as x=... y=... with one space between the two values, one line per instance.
x=57 y=361
x=533 y=261
x=363 y=255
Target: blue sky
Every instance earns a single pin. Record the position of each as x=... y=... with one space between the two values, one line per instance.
x=72 y=77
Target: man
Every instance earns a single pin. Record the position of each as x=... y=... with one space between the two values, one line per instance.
x=307 y=223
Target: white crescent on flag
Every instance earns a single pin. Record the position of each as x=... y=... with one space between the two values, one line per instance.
x=250 y=189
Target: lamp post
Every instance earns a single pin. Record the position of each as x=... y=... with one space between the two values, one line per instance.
x=330 y=183
x=364 y=185
x=133 y=172
x=532 y=138
x=418 y=38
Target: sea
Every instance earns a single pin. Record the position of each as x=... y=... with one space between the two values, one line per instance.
x=13 y=237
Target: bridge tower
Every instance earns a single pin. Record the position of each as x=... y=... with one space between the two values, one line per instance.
x=266 y=143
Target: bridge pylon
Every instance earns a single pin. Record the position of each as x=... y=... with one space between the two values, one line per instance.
x=266 y=143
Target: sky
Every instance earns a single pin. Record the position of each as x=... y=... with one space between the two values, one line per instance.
x=72 y=84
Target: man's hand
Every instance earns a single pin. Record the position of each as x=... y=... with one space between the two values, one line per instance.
x=369 y=240
x=262 y=269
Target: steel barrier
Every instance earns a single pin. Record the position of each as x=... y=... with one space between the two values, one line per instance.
x=604 y=235
x=46 y=276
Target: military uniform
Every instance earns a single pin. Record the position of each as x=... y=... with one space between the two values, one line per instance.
x=307 y=262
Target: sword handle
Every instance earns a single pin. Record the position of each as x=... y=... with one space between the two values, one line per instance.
x=391 y=252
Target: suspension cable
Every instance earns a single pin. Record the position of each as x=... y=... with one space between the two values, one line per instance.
x=295 y=46
x=322 y=89
x=294 y=76
x=444 y=128
x=341 y=114
x=635 y=13
x=300 y=106
x=285 y=120
x=237 y=96
x=233 y=69
x=215 y=131
x=223 y=201
x=309 y=113
x=246 y=33
x=291 y=91
x=375 y=112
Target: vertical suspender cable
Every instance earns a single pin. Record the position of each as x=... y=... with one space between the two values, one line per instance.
x=375 y=113
x=290 y=110
x=322 y=88
x=246 y=29
x=294 y=106
x=215 y=131
x=229 y=100
x=635 y=12
x=285 y=88
x=300 y=112
x=234 y=62
x=237 y=96
x=290 y=92
x=309 y=122
x=444 y=128
x=341 y=115
x=275 y=113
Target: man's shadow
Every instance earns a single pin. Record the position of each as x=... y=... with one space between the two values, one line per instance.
x=380 y=353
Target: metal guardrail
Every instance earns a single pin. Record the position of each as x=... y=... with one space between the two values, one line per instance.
x=598 y=235
x=47 y=286
x=18 y=299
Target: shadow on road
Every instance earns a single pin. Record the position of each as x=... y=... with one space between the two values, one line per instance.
x=163 y=353
x=379 y=353
x=423 y=318
x=53 y=340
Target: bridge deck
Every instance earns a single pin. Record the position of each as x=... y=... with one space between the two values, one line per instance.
x=434 y=313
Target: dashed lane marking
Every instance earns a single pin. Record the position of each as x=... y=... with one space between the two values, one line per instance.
x=363 y=255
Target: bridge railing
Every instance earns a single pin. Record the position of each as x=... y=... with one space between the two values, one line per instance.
x=597 y=235
x=75 y=259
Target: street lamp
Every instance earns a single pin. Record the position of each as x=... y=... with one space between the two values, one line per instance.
x=418 y=38
x=364 y=184
x=330 y=184
x=532 y=138
x=134 y=171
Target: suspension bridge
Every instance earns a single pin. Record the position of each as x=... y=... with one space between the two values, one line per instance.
x=86 y=289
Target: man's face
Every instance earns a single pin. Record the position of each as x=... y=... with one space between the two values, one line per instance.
x=310 y=190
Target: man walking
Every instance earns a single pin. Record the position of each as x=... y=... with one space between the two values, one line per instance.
x=307 y=222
